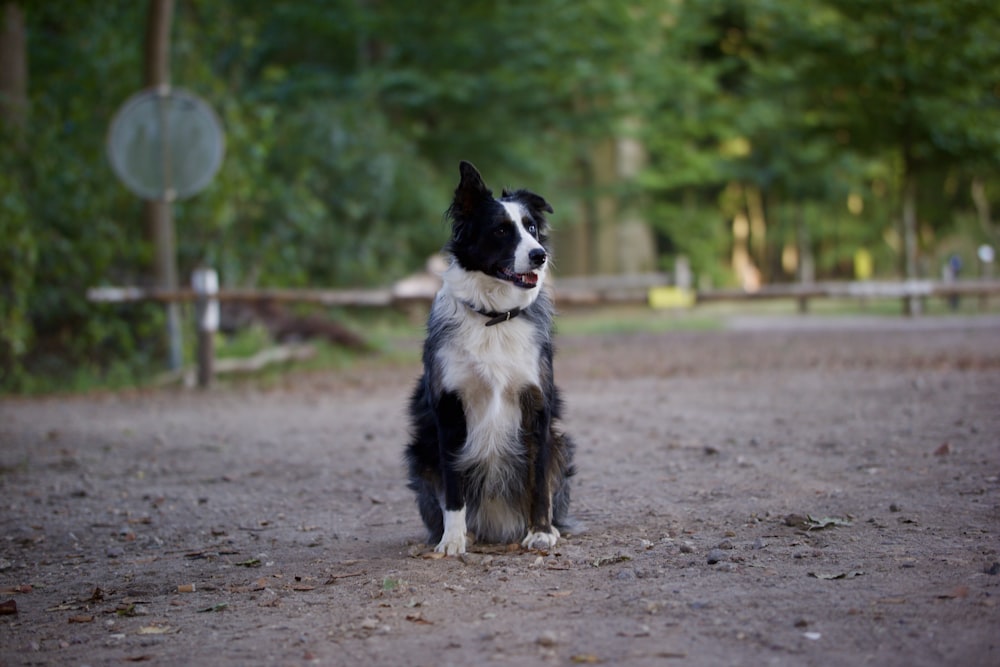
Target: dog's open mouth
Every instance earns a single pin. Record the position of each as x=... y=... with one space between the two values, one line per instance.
x=525 y=280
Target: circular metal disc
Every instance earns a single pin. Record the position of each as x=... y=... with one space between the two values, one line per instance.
x=165 y=144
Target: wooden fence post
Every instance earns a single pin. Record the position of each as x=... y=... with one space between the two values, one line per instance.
x=205 y=283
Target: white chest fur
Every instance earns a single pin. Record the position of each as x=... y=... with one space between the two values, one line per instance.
x=488 y=367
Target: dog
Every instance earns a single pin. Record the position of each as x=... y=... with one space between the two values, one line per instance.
x=486 y=455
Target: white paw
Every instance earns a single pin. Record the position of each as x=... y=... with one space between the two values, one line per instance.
x=541 y=540
x=453 y=541
x=451 y=545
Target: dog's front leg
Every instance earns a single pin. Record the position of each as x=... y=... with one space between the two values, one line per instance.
x=541 y=533
x=451 y=438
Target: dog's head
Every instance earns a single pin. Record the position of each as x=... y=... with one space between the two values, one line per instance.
x=505 y=238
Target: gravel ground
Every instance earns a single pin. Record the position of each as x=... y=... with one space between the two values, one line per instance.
x=797 y=491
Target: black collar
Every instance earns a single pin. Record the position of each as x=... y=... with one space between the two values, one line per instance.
x=495 y=317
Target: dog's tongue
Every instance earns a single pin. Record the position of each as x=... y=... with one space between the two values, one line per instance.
x=528 y=278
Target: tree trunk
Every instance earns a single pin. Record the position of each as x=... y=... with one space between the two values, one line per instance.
x=806 y=269
x=911 y=305
x=17 y=269
x=605 y=223
x=13 y=67
x=982 y=204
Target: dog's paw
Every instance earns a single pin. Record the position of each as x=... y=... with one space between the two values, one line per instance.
x=541 y=539
x=453 y=541
x=451 y=545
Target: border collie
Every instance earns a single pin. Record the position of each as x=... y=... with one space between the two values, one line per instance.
x=485 y=455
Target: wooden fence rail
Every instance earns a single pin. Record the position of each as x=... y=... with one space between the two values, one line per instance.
x=325 y=297
x=857 y=290
x=593 y=291
x=568 y=292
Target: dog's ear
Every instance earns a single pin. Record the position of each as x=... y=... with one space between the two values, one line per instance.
x=535 y=203
x=471 y=190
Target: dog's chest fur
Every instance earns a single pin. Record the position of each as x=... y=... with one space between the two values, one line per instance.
x=489 y=367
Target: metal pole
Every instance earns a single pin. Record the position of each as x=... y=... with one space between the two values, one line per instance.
x=159 y=214
x=162 y=216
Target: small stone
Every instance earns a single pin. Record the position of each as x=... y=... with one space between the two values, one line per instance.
x=716 y=555
x=369 y=624
x=759 y=544
x=993 y=569
x=547 y=638
x=725 y=544
x=115 y=552
x=686 y=548
x=895 y=508
x=470 y=559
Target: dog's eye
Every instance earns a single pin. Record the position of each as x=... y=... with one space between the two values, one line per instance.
x=532 y=230
x=501 y=231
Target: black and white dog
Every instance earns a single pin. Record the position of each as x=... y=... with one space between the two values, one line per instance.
x=485 y=455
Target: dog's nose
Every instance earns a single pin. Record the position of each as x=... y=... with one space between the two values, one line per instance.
x=537 y=257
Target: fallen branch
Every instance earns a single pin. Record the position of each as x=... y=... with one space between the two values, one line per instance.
x=259 y=361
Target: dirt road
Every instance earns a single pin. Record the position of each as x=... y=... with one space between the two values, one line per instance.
x=795 y=495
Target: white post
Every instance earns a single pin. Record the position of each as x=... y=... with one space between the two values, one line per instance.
x=205 y=283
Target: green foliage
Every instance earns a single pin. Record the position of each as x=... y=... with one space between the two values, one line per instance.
x=916 y=77
x=18 y=257
x=813 y=102
x=70 y=226
x=323 y=197
x=344 y=122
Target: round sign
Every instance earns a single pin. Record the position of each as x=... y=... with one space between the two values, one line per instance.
x=165 y=144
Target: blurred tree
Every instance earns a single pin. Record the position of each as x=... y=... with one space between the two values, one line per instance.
x=79 y=225
x=17 y=250
x=912 y=81
x=345 y=118
x=694 y=82
x=13 y=65
x=318 y=187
